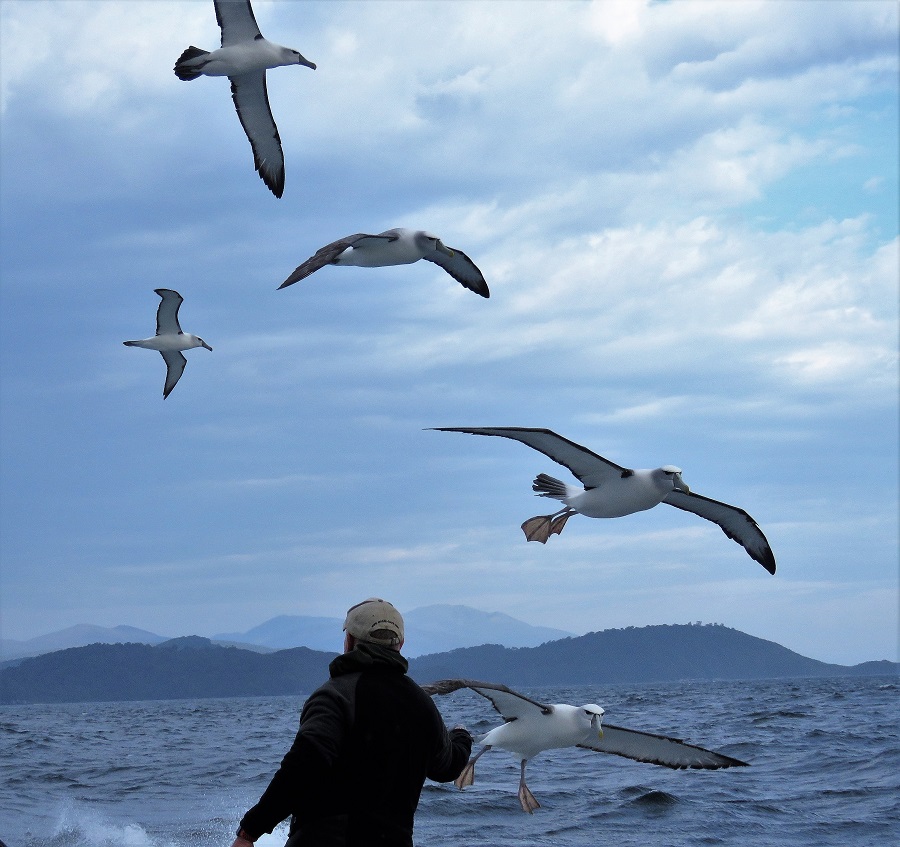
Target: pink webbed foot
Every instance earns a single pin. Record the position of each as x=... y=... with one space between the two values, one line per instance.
x=537 y=529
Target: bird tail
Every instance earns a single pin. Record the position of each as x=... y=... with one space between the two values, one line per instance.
x=548 y=486
x=186 y=71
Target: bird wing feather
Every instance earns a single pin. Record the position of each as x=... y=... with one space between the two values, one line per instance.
x=592 y=470
x=175 y=363
x=327 y=254
x=462 y=269
x=510 y=704
x=167 y=311
x=236 y=21
x=658 y=750
x=251 y=99
x=734 y=522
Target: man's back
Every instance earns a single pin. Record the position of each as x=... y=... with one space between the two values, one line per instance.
x=368 y=738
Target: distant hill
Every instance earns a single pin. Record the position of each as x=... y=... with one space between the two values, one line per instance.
x=196 y=667
x=429 y=629
x=177 y=669
x=77 y=636
x=438 y=628
x=82 y=635
x=638 y=654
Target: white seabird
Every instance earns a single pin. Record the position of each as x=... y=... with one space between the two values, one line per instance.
x=243 y=58
x=394 y=247
x=533 y=727
x=611 y=491
x=169 y=339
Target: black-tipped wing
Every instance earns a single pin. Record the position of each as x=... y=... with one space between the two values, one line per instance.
x=462 y=269
x=236 y=20
x=252 y=103
x=507 y=702
x=591 y=469
x=167 y=312
x=735 y=523
x=175 y=363
x=659 y=750
x=327 y=254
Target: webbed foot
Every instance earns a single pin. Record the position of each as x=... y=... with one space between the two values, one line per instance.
x=537 y=529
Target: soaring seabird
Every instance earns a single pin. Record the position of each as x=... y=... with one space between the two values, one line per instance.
x=394 y=247
x=243 y=58
x=532 y=727
x=611 y=491
x=169 y=338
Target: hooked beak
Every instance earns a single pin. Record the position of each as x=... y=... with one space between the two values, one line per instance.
x=302 y=61
x=680 y=484
x=439 y=245
x=203 y=343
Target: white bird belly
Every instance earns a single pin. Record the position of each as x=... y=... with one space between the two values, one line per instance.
x=388 y=253
x=526 y=738
x=167 y=343
x=240 y=59
x=631 y=494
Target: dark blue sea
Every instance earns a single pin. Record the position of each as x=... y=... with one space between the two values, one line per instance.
x=824 y=754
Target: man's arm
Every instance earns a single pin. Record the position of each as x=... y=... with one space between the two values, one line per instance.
x=323 y=724
x=452 y=753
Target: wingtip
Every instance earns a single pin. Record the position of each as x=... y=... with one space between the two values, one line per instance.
x=289 y=281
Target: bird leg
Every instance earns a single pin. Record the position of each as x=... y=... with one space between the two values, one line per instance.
x=557 y=526
x=467 y=777
x=527 y=800
x=543 y=526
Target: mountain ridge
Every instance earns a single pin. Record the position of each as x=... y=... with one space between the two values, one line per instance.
x=194 y=667
x=429 y=629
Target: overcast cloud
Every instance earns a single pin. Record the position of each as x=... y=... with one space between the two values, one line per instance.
x=686 y=213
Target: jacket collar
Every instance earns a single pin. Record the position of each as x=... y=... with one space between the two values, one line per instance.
x=365 y=656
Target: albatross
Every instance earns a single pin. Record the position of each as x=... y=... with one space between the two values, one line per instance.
x=612 y=491
x=532 y=727
x=244 y=57
x=169 y=339
x=394 y=247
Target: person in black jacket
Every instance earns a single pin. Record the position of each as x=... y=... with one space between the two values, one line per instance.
x=368 y=739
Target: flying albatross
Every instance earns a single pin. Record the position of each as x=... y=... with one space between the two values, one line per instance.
x=611 y=491
x=532 y=727
x=243 y=58
x=169 y=338
x=394 y=247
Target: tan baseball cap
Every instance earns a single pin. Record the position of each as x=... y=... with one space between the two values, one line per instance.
x=376 y=621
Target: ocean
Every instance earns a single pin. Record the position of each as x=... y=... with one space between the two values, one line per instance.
x=824 y=756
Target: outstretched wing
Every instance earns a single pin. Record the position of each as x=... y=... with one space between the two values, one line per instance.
x=591 y=469
x=735 y=523
x=327 y=254
x=507 y=702
x=236 y=20
x=462 y=269
x=167 y=312
x=175 y=363
x=251 y=99
x=658 y=750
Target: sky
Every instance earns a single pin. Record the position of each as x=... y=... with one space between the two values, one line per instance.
x=687 y=213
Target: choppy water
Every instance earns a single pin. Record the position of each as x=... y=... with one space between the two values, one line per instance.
x=825 y=758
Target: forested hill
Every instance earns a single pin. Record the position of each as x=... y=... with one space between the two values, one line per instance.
x=194 y=667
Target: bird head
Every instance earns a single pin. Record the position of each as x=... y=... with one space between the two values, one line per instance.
x=301 y=61
x=594 y=714
x=674 y=474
